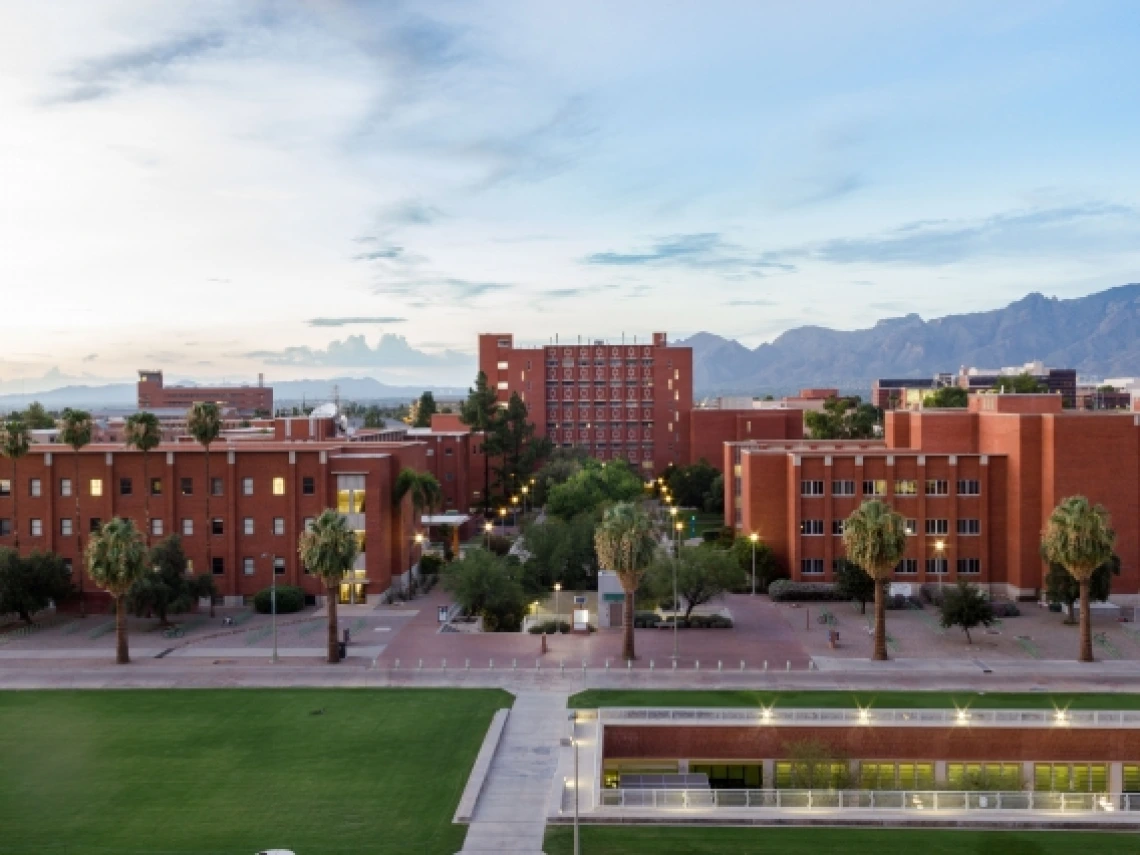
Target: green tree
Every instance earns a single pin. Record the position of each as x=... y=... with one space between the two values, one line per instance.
x=480 y=413
x=815 y=765
x=874 y=538
x=702 y=575
x=512 y=439
x=116 y=559
x=1079 y=537
x=714 y=498
x=1062 y=588
x=560 y=466
x=965 y=606
x=14 y=445
x=32 y=582
x=424 y=492
x=425 y=408
x=559 y=551
x=1020 y=384
x=328 y=548
x=946 y=397
x=691 y=485
x=204 y=422
x=626 y=543
x=144 y=433
x=76 y=429
x=166 y=589
x=768 y=568
x=37 y=418
x=487 y=586
x=844 y=418
x=852 y=583
x=593 y=486
x=373 y=418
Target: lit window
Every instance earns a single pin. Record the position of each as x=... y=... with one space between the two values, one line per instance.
x=278 y=486
x=96 y=487
x=502 y=385
x=502 y=366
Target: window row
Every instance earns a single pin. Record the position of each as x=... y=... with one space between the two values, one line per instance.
x=903 y=487
x=217 y=526
x=185 y=486
x=965 y=527
x=906 y=567
x=920 y=775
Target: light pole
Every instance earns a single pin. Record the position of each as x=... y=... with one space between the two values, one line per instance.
x=939 y=547
x=754 y=537
x=676 y=596
x=525 y=490
x=577 y=849
x=503 y=520
x=487 y=527
x=273 y=601
x=557 y=606
x=677 y=526
x=419 y=541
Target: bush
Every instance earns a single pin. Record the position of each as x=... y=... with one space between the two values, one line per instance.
x=785 y=591
x=697 y=622
x=499 y=544
x=1004 y=609
x=646 y=620
x=289 y=599
x=549 y=627
x=898 y=602
x=430 y=564
x=710 y=536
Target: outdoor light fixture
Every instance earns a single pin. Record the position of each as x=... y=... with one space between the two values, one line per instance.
x=962 y=717
x=766 y=715
x=864 y=716
x=419 y=538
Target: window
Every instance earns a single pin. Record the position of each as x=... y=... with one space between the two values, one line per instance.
x=65 y=486
x=307 y=523
x=837 y=527
x=65 y=527
x=1070 y=777
x=907 y=566
x=448 y=476
x=37 y=528
x=984 y=776
x=501 y=385
x=811 y=527
x=247 y=525
x=938 y=526
x=308 y=486
x=350 y=501
x=843 y=488
x=912 y=527
x=35 y=486
x=936 y=566
x=874 y=488
x=279 y=566
x=896 y=776
x=217 y=527
x=502 y=365
x=811 y=488
x=247 y=486
x=811 y=566
x=216 y=486
x=5 y=527
x=187 y=486
x=937 y=487
x=5 y=487
x=448 y=452
x=798 y=776
x=125 y=487
x=972 y=566
x=279 y=526
x=68 y=566
x=95 y=524
x=218 y=565
x=187 y=527
x=969 y=487
x=969 y=526
x=248 y=566
x=156 y=527
x=906 y=487
x=278 y=486
x=189 y=566
x=361 y=542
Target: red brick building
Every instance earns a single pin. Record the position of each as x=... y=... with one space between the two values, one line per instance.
x=618 y=401
x=710 y=429
x=153 y=394
x=977 y=486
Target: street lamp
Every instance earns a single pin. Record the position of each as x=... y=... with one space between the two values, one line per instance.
x=754 y=537
x=273 y=601
x=939 y=547
x=557 y=605
x=577 y=849
x=503 y=520
x=525 y=490
x=676 y=597
x=487 y=537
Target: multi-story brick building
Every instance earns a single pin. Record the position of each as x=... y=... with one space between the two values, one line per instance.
x=975 y=485
x=626 y=401
x=153 y=394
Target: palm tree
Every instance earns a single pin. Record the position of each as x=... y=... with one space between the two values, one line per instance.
x=15 y=443
x=204 y=422
x=1078 y=536
x=626 y=543
x=328 y=549
x=116 y=559
x=143 y=432
x=424 y=490
x=874 y=537
x=76 y=432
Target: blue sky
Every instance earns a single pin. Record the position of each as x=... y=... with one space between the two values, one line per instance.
x=311 y=189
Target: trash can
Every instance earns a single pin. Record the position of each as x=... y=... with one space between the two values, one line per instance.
x=346 y=635
x=342 y=649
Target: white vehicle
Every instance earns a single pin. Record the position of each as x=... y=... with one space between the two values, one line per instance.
x=276 y=852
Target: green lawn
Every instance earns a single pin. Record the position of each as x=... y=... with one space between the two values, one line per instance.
x=659 y=840
x=379 y=771
x=913 y=700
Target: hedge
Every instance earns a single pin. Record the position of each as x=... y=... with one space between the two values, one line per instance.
x=698 y=622
x=289 y=599
x=785 y=591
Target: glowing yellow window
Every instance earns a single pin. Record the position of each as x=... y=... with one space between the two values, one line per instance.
x=360 y=541
x=342 y=501
x=278 y=486
x=96 y=486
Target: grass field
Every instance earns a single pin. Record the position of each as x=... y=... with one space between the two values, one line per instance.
x=913 y=700
x=825 y=841
x=378 y=771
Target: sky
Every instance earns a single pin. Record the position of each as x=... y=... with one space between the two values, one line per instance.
x=314 y=189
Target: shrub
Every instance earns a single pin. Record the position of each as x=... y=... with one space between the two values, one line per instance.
x=499 y=544
x=430 y=564
x=549 y=627
x=898 y=602
x=289 y=599
x=785 y=591
x=710 y=535
x=646 y=620
x=1004 y=609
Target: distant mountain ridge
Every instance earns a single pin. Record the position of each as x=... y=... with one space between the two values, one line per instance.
x=1099 y=335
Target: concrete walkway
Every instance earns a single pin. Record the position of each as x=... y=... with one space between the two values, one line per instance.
x=510 y=815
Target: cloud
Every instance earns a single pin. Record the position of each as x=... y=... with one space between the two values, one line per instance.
x=537 y=153
x=411 y=212
x=750 y=303
x=391 y=351
x=386 y=252
x=91 y=357
x=344 y=322
x=701 y=251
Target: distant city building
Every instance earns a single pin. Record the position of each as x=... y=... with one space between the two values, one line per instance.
x=153 y=395
x=910 y=392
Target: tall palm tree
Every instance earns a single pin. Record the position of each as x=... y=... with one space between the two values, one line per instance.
x=874 y=537
x=116 y=559
x=144 y=433
x=1079 y=537
x=76 y=432
x=328 y=549
x=204 y=421
x=626 y=543
x=16 y=441
x=425 y=493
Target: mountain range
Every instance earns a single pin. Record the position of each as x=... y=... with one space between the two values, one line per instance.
x=1099 y=335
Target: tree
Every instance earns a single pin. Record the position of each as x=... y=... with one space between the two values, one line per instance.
x=691 y=485
x=714 y=498
x=424 y=409
x=703 y=575
x=512 y=439
x=852 y=583
x=328 y=549
x=815 y=765
x=593 y=486
x=425 y=493
x=874 y=537
x=32 y=582
x=76 y=432
x=1062 y=588
x=116 y=559
x=204 y=422
x=14 y=444
x=965 y=606
x=166 y=589
x=946 y=397
x=844 y=418
x=480 y=412
x=487 y=586
x=373 y=418
x=560 y=466
x=1020 y=384
x=626 y=543
x=144 y=433
x=37 y=418
x=561 y=551
x=768 y=569
x=1079 y=537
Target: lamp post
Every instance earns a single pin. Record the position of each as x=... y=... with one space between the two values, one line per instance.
x=419 y=541
x=273 y=601
x=525 y=490
x=676 y=596
x=577 y=849
x=503 y=520
x=939 y=548
x=487 y=527
x=754 y=537
x=557 y=605
x=515 y=510
x=677 y=526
